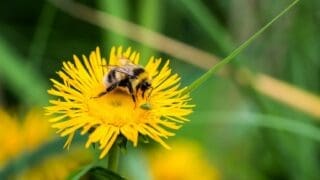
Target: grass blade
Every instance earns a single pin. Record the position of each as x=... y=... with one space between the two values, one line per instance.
x=42 y=33
x=238 y=50
x=297 y=127
x=150 y=17
x=120 y=9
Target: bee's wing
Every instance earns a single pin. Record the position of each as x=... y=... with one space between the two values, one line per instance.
x=111 y=66
x=124 y=70
x=121 y=69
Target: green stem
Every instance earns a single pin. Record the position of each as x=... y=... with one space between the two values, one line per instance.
x=235 y=52
x=114 y=158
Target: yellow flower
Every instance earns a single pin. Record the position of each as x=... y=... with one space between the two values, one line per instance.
x=58 y=166
x=185 y=160
x=78 y=107
x=28 y=134
x=24 y=135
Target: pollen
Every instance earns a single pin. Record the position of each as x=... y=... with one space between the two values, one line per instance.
x=78 y=108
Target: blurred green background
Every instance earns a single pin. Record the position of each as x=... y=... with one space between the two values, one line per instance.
x=244 y=134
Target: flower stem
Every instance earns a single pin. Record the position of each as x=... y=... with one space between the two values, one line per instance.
x=114 y=158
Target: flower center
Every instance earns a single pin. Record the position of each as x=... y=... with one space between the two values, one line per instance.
x=117 y=108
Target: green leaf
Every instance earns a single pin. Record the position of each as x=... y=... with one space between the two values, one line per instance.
x=97 y=173
x=77 y=174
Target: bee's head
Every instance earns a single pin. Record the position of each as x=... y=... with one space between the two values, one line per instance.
x=145 y=85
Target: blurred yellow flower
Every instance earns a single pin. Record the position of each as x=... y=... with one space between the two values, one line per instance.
x=58 y=166
x=28 y=134
x=17 y=136
x=185 y=161
x=78 y=107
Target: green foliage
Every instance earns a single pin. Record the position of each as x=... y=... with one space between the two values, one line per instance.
x=235 y=52
x=245 y=134
x=95 y=173
x=24 y=81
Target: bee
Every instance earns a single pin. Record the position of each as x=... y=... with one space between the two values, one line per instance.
x=127 y=75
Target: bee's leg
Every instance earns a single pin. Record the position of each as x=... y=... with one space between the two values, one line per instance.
x=109 y=89
x=101 y=94
x=149 y=94
x=143 y=93
x=131 y=92
x=112 y=87
x=137 y=89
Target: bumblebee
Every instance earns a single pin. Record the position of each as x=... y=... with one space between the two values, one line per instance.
x=127 y=75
